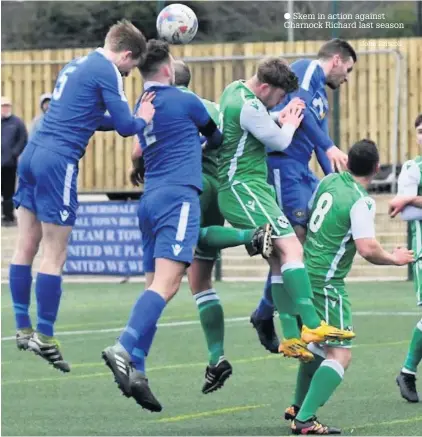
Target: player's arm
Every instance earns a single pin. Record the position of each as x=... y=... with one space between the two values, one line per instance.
x=320 y=137
x=255 y=119
x=323 y=161
x=111 y=85
x=137 y=172
x=206 y=125
x=362 y=218
x=407 y=201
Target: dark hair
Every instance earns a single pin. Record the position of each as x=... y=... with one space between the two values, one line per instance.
x=276 y=71
x=124 y=36
x=181 y=74
x=363 y=158
x=337 y=46
x=158 y=52
x=418 y=120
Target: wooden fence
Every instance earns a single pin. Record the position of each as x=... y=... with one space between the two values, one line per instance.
x=368 y=105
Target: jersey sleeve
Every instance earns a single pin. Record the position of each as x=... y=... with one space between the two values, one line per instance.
x=323 y=161
x=255 y=119
x=409 y=179
x=362 y=218
x=111 y=85
x=320 y=139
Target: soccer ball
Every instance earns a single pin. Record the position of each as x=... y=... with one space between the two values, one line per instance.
x=177 y=24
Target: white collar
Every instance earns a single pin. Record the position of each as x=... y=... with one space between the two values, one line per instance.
x=151 y=83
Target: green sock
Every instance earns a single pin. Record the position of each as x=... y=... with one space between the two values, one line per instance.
x=304 y=377
x=212 y=321
x=297 y=284
x=414 y=354
x=221 y=237
x=325 y=381
x=285 y=307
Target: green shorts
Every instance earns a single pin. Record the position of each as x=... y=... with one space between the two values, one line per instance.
x=253 y=204
x=333 y=306
x=416 y=236
x=210 y=215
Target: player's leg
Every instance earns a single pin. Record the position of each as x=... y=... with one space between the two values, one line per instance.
x=20 y=277
x=27 y=244
x=211 y=315
x=175 y=218
x=406 y=380
x=211 y=312
x=292 y=194
x=335 y=305
x=407 y=377
x=56 y=206
x=263 y=208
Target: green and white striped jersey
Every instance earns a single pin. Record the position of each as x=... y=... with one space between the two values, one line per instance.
x=341 y=213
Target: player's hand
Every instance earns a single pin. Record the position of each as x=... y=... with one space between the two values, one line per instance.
x=135 y=177
x=337 y=158
x=397 y=204
x=295 y=106
x=403 y=256
x=291 y=114
x=146 y=110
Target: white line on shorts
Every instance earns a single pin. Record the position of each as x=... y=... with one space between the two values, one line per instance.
x=230 y=320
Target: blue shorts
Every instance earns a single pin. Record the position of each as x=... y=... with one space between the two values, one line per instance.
x=294 y=184
x=47 y=185
x=169 y=219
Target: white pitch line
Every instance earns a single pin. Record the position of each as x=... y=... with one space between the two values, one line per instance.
x=231 y=320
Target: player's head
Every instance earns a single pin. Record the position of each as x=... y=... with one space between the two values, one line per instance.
x=127 y=44
x=181 y=74
x=273 y=80
x=364 y=159
x=338 y=58
x=418 y=127
x=158 y=64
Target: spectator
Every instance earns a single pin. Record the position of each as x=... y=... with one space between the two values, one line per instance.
x=13 y=140
x=36 y=122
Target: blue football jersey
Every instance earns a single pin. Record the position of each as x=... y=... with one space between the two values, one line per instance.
x=313 y=131
x=86 y=88
x=170 y=143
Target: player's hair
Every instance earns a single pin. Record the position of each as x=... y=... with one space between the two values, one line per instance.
x=181 y=74
x=363 y=158
x=418 y=120
x=337 y=46
x=276 y=71
x=124 y=36
x=158 y=52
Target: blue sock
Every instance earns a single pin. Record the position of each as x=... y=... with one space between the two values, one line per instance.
x=20 y=281
x=48 y=289
x=145 y=314
x=141 y=349
x=265 y=308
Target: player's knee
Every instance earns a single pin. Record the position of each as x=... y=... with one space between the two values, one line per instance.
x=26 y=249
x=167 y=278
x=341 y=355
x=290 y=249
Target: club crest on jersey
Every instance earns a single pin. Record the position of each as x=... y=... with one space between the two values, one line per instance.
x=299 y=213
x=251 y=204
x=283 y=222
